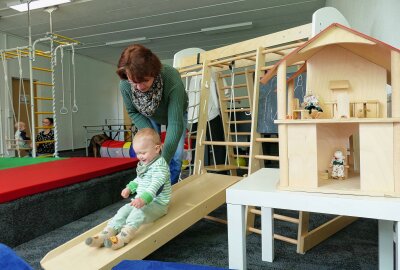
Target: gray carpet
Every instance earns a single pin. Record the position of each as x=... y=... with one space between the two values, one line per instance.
x=205 y=243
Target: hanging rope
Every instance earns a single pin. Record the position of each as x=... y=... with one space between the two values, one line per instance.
x=63 y=109
x=53 y=94
x=74 y=107
x=22 y=86
x=8 y=91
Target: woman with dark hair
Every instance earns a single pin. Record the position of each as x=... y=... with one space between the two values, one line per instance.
x=154 y=95
x=47 y=135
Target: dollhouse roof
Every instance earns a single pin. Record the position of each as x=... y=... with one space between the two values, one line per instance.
x=360 y=44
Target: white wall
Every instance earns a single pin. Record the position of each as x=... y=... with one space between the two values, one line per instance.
x=97 y=94
x=377 y=18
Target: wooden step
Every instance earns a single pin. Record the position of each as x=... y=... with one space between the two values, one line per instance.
x=43 y=83
x=277 y=216
x=42 y=69
x=242 y=156
x=48 y=141
x=44 y=113
x=247 y=144
x=242 y=85
x=271 y=140
x=285 y=239
x=240 y=133
x=265 y=157
x=238 y=110
x=239 y=122
x=41 y=127
x=43 y=98
x=220 y=168
x=236 y=98
x=42 y=55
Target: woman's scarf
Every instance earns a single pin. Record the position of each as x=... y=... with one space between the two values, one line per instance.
x=147 y=102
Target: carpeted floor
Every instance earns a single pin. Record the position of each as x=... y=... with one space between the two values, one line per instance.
x=206 y=243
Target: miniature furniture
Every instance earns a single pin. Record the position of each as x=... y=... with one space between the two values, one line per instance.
x=341 y=108
x=260 y=189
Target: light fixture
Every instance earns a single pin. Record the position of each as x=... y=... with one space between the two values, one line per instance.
x=227 y=28
x=21 y=7
x=126 y=42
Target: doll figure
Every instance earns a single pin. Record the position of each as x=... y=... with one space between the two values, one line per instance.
x=311 y=104
x=337 y=164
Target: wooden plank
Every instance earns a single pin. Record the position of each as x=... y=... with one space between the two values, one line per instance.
x=255 y=147
x=192 y=199
x=376 y=159
x=226 y=120
x=203 y=116
x=271 y=40
x=221 y=167
x=324 y=231
x=227 y=143
x=395 y=75
x=270 y=140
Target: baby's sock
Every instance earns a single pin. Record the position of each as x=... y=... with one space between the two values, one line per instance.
x=124 y=237
x=98 y=240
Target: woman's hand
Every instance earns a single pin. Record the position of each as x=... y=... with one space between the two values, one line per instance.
x=138 y=203
x=125 y=193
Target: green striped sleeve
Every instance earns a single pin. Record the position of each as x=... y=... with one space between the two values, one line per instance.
x=132 y=186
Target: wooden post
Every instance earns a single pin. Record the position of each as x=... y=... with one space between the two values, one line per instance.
x=203 y=118
x=395 y=75
x=290 y=98
x=256 y=148
x=282 y=129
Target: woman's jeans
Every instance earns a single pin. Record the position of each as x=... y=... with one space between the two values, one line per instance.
x=176 y=162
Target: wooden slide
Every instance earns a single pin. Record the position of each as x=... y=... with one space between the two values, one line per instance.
x=192 y=199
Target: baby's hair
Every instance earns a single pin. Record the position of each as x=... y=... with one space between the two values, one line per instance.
x=148 y=134
x=17 y=125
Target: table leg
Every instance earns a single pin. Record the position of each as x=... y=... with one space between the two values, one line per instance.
x=385 y=244
x=267 y=234
x=397 y=239
x=237 y=236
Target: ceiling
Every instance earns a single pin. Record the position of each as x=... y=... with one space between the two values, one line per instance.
x=168 y=25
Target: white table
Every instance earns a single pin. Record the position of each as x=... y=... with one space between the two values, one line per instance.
x=259 y=189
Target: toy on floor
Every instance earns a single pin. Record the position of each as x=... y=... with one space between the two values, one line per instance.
x=337 y=164
x=153 y=193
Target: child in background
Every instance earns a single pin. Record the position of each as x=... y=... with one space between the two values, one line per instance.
x=153 y=193
x=20 y=135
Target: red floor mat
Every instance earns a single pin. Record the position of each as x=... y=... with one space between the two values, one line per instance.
x=27 y=180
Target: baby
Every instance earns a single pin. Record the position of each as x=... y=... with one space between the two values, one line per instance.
x=20 y=135
x=153 y=193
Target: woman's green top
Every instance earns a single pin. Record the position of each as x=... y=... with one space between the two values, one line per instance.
x=170 y=112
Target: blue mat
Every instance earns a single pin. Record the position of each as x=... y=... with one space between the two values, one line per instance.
x=155 y=265
x=9 y=260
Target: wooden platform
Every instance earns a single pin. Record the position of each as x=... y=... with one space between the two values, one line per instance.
x=192 y=199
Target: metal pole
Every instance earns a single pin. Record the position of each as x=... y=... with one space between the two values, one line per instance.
x=33 y=131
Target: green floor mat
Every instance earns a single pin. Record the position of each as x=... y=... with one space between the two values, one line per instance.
x=7 y=163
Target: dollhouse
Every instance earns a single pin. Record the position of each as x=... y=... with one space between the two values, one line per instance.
x=348 y=72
